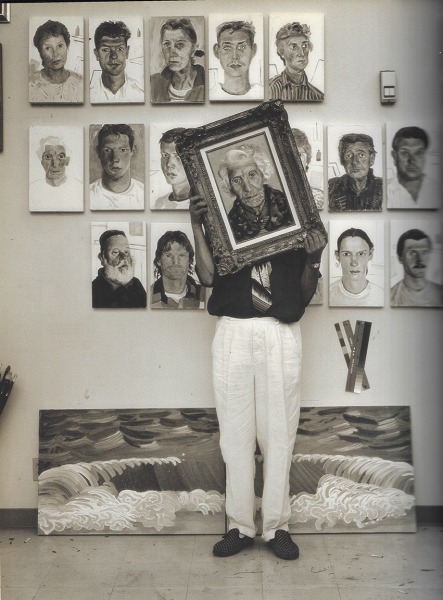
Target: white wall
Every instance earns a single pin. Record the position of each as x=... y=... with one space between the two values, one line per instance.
x=70 y=356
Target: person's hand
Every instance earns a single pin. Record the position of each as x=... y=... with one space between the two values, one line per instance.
x=315 y=243
x=198 y=208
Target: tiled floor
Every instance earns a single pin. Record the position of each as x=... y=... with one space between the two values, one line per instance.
x=331 y=567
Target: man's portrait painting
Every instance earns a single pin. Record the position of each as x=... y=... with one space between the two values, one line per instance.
x=116 y=60
x=413 y=166
x=356 y=263
x=355 y=168
x=118 y=265
x=116 y=166
x=174 y=282
x=296 y=57
x=169 y=188
x=56 y=169
x=309 y=140
x=177 y=60
x=236 y=57
x=250 y=187
x=56 y=60
x=416 y=251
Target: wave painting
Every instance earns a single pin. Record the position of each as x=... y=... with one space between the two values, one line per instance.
x=160 y=471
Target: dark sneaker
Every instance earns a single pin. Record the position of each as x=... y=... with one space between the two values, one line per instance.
x=231 y=543
x=283 y=546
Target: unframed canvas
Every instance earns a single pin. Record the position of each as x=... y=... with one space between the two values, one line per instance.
x=160 y=471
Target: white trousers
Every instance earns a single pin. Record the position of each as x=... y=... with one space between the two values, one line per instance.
x=256 y=371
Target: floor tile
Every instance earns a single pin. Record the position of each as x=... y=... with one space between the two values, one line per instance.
x=24 y=574
x=212 y=592
x=143 y=573
x=299 y=593
x=240 y=570
x=151 y=593
x=378 y=593
x=18 y=593
x=70 y=574
x=74 y=593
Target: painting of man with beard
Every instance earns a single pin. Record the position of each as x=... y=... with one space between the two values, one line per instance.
x=115 y=285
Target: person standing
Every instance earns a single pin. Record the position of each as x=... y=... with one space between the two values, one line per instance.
x=256 y=355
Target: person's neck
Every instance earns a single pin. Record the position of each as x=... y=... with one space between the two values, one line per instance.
x=174 y=286
x=416 y=284
x=56 y=182
x=355 y=287
x=412 y=186
x=113 y=82
x=184 y=79
x=358 y=185
x=295 y=77
x=180 y=192
x=117 y=185
x=237 y=86
x=55 y=75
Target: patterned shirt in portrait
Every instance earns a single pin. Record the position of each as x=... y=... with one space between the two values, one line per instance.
x=342 y=195
x=277 y=211
x=282 y=88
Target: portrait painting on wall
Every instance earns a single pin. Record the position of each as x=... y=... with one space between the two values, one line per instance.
x=169 y=185
x=116 y=166
x=355 y=168
x=413 y=166
x=56 y=169
x=309 y=141
x=116 y=60
x=356 y=263
x=236 y=57
x=175 y=284
x=296 y=57
x=56 y=60
x=118 y=265
x=416 y=252
x=248 y=168
x=177 y=60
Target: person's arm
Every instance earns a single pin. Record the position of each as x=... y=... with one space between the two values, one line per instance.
x=204 y=264
x=315 y=243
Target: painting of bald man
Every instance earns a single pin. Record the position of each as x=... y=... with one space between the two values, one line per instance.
x=56 y=169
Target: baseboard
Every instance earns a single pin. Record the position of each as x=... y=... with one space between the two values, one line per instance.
x=27 y=517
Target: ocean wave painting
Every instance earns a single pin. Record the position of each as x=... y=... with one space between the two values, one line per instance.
x=152 y=471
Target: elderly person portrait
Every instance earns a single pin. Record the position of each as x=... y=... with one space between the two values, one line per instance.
x=414 y=249
x=235 y=48
x=57 y=188
x=175 y=286
x=182 y=79
x=115 y=285
x=258 y=208
x=174 y=174
x=412 y=187
x=111 y=50
x=354 y=252
x=293 y=42
x=358 y=188
x=116 y=189
x=54 y=83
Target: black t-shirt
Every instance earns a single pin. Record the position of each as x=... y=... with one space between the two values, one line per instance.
x=232 y=294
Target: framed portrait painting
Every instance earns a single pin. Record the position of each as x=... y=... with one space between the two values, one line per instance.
x=309 y=140
x=56 y=60
x=248 y=169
